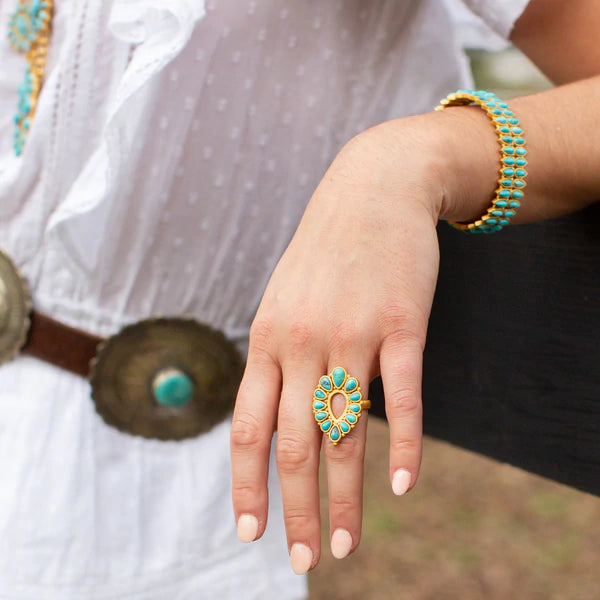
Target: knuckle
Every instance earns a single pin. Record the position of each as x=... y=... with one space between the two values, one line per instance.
x=402 y=323
x=299 y=519
x=301 y=337
x=244 y=494
x=406 y=401
x=293 y=454
x=246 y=432
x=343 y=506
x=351 y=449
x=407 y=369
x=261 y=340
x=344 y=337
x=261 y=334
x=412 y=446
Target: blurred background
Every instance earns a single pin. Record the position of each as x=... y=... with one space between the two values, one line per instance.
x=473 y=528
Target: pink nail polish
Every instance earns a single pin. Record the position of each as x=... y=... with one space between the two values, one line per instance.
x=341 y=543
x=301 y=557
x=401 y=482
x=247 y=528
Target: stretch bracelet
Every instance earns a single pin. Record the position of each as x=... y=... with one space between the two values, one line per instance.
x=512 y=173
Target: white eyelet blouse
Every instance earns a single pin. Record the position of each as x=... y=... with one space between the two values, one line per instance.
x=174 y=148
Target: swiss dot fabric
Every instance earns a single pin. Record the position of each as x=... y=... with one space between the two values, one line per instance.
x=175 y=146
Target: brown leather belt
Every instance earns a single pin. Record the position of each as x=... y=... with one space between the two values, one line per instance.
x=61 y=345
x=165 y=378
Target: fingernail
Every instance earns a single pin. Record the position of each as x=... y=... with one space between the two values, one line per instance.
x=341 y=543
x=300 y=558
x=401 y=481
x=247 y=528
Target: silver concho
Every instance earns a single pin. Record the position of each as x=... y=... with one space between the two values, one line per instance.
x=15 y=306
x=166 y=378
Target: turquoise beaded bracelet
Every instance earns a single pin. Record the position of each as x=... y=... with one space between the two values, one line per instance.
x=511 y=181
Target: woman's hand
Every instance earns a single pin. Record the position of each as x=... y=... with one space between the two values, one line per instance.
x=353 y=289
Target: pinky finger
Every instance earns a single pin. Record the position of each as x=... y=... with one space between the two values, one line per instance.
x=401 y=363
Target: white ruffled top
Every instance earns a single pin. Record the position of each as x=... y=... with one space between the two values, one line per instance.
x=175 y=146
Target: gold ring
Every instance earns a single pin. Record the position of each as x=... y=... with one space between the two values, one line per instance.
x=338 y=382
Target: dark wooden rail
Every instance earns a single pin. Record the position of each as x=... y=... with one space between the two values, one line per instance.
x=512 y=364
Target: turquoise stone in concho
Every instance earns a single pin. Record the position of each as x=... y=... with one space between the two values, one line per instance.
x=318 y=405
x=355 y=397
x=338 y=376
x=325 y=383
x=335 y=434
x=325 y=426
x=172 y=387
x=320 y=416
x=355 y=408
x=351 y=418
x=344 y=427
x=320 y=394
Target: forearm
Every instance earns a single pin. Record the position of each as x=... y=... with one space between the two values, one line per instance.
x=563 y=162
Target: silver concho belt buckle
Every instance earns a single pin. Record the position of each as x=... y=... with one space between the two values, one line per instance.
x=15 y=306
x=166 y=378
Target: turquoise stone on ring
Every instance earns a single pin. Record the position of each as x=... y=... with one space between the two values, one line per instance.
x=338 y=376
x=172 y=387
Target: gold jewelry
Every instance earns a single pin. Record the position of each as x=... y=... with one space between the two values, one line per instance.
x=338 y=382
x=511 y=182
x=29 y=32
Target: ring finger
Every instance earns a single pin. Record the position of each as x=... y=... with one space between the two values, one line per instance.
x=345 y=458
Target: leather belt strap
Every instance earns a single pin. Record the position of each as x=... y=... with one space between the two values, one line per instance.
x=61 y=345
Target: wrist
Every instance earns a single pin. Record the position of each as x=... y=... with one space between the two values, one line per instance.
x=471 y=165
x=451 y=157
